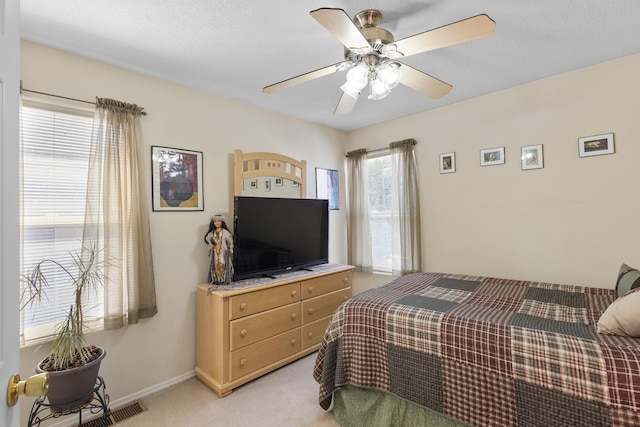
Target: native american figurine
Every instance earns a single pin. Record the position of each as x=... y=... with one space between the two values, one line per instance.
x=220 y=242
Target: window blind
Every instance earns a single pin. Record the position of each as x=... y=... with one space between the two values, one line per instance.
x=55 y=148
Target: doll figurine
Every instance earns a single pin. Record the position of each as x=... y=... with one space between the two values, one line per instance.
x=220 y=242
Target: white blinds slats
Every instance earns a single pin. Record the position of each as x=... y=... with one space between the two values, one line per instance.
x=55 y=157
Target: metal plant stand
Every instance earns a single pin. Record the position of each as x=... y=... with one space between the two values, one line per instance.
x=97 y=401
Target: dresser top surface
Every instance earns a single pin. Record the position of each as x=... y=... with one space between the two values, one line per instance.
x=280 y=279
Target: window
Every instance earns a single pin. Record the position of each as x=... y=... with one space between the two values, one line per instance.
x=55 y=156
x=380 y=176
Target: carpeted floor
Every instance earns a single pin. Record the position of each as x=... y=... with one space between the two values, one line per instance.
x=287 y=397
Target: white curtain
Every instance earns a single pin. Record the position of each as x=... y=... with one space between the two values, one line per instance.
x=116 y=217
x=359 y=238
x=406 y=237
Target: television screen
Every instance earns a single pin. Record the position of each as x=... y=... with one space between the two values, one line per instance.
x=274 y=235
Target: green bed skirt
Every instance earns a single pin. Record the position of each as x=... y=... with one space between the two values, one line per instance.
x=359 y=407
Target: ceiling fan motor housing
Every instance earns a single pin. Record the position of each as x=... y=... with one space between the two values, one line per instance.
x=367 y=22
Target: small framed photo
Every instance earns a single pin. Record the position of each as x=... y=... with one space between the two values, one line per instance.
x=253 y=184
x=267 y=184
x=492 y=156
x=176 y=176
x=596 y=145
x=278 y=182
x=532 y=157
x=447 y=162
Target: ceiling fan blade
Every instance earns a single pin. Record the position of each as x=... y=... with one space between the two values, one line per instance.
x=423 y=83
x=342 y=27
x=303 y=78
x=474 y=28
x=346 y=104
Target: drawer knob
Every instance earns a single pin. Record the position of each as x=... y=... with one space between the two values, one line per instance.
x=346 y=297
x=293 y=293
x=243 y=306
x=311 y=310
x=243 y=332
x=293 y=316
x=242 y=362
x=310 y=289
x=345 y=280
x=310 y=334
x=293 y=341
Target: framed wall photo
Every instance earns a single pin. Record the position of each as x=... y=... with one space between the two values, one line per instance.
x=176 y=179
x=492 y=156
x=532 y=157
x=327 y=187
x=596 y=145
x=447 y=162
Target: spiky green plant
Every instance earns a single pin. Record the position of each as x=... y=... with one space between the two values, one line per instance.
x=70 y=347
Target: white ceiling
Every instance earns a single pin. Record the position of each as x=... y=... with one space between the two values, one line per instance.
x=236 y=47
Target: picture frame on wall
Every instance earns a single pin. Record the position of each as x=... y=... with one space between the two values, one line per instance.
x=447 y=163
x=176 y=176
x=532 y=157
x=267 y=184
x=596 y=145
x=253 y=184
x=492 y=156
x=327 y=187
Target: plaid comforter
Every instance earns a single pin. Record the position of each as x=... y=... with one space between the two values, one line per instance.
x=486 y=351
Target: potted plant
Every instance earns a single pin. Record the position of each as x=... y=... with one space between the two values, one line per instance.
x=72 y=363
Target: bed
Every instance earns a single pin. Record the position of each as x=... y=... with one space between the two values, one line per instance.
x=482 y=351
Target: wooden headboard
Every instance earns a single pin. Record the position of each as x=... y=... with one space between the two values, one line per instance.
x=269 y=165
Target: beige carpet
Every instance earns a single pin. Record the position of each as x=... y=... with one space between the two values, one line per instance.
x=287 y=397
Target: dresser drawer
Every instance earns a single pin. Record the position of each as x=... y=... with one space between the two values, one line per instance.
x=325 y=284
x=263 y=353
x=250 y=329
x=257 y=301
x=316 y=308
x=313 y=333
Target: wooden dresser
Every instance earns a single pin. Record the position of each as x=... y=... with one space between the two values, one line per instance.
x=248 y=331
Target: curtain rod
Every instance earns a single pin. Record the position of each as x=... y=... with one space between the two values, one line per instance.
x=381 y=149
x=22 y=89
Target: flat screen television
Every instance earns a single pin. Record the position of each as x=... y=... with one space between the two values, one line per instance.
x=275 y=235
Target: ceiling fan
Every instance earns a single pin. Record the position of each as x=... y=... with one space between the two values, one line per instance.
x=371 y=55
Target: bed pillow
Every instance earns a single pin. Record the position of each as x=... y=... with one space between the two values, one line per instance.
x=628 y=278
x=622 y=317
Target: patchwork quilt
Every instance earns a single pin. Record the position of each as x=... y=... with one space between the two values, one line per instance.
x=485 y=351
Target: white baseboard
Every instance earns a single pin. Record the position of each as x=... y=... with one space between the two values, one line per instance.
x=70 y=420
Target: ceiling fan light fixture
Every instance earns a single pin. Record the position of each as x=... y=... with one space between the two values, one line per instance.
x=351 y=89
x=358 y=75
x=390 y=74
x=378 y=89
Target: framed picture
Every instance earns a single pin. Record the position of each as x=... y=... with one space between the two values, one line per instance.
x=278 y=182
x=253 y=184
x=596 y=145
x=447 y=163
x=532 y=157
x=267 y=184
x=492 y=156
x=176 y=179
x=327 y=187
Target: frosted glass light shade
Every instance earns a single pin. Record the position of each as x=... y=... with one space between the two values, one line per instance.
x=390 y=74
x=378 y=89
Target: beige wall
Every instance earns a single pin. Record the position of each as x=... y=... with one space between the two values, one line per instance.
x=162 y=349
x=574 y=221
